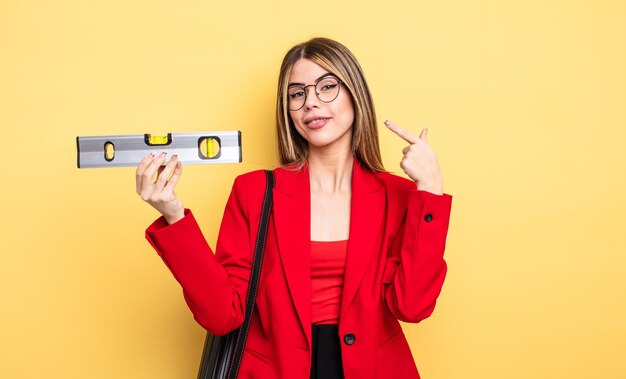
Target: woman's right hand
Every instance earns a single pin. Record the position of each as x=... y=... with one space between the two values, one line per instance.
x=160 y=192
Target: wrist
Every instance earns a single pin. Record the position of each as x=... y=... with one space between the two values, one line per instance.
x=175 y=217
x=435 y=189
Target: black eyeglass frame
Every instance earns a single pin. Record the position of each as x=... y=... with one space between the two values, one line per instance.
x=306 y=93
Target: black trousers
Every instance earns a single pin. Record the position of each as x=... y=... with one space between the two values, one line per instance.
x=326 y=360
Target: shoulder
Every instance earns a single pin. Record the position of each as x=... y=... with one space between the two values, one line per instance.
x=251 y=185
x=248 y=191
x=257 y=177
x=250 y=178
x=394 y=182
x=397 y=189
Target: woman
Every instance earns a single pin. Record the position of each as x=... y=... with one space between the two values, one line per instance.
x=351 y=249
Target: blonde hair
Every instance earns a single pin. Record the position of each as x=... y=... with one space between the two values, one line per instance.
x=337 y=59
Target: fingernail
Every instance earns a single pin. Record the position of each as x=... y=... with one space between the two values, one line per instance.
x=386 y=122
x=164 y=153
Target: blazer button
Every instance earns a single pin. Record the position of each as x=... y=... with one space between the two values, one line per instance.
x=428 y=217
x=349 y=338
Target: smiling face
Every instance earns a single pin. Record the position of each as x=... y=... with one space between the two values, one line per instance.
x=321 y=124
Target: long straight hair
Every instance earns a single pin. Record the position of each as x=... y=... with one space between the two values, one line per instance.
x=334 y=57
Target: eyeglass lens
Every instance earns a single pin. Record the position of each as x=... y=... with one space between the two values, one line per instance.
x=326 y=90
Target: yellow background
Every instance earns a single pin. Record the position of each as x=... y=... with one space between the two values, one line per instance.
x=526 y=103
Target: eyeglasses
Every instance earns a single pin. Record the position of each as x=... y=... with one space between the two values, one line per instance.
x=326 y=89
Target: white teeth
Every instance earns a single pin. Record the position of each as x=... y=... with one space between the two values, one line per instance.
x=317 y=119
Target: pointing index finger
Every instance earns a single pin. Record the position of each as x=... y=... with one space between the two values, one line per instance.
x=424 y=133
x=408 y=137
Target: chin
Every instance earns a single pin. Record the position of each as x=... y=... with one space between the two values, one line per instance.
x=321 y=143
x=325 y=138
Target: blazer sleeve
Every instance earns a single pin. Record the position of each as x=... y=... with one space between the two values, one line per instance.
x=214 y=287
x=415 y=268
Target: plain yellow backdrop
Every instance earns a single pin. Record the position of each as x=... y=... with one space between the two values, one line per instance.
x=526 y=104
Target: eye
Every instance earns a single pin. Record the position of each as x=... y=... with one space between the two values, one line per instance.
x=295 y=93
x=328 y=84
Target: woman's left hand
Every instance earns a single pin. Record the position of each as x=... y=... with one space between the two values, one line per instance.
x=420 y=161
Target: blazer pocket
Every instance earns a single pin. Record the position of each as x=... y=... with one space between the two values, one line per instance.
x=256 y=352
x=256 y=364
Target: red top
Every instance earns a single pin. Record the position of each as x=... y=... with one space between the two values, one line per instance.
x=328 y=262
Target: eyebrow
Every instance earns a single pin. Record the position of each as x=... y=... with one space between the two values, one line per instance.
x=316 y=80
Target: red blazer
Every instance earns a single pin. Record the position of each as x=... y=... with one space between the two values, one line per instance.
x=394 y=271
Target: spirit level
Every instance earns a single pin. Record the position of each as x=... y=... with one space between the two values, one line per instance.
x=129 y=150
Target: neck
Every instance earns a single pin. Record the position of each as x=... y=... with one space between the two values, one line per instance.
x=330 y=172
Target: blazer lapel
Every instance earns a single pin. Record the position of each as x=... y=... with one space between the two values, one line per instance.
x=366 y=223
x=292 y=213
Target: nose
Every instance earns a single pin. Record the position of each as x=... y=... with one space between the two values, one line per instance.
x=311 y=99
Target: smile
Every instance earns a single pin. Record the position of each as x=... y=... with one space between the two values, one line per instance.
x=316 y=122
